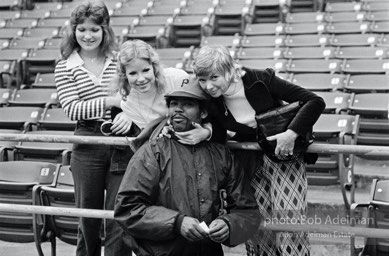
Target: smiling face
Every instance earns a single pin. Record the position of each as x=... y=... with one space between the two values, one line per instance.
x=89 y=35
x=214 y=84
x=140 y=75
x=183 y=112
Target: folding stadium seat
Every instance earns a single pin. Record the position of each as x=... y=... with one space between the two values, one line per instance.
x=162 y=8
x=284 y=76
x=36 y=97
x=259 y=53
x=4 y=43
x=53 y=43
x=343 y=7
x=52 y=23
x=320 y=81
x=184 y=53
x=151 y=20
x=21 y=118
x=10 y=33
x=11 y=5
x=48 y=228
x=263 y=41
x=304 y=6
x=22 y=23
x=227 y=41
x=7 y=148
x=264 y=29
x=6 y=15
x=331 y=169
x=377 y=16
x=26 y=43
x=348 y=27
x=42 y=32
x=334 y=17
x=376 y=6
x=354 y=39
x=44 y=80
x=229 y=19
x=362 y=52
x=268 y=11
x=17 y=178
x=304 y=17
x=306 y=40
x=55 y=119
x=309 y=52
x=130 y=10
x=374 y=127
x=34 y=14
x=336 y=102
x=304 y=28
x=361 y=66
x=120 y=32
x=187 y=30
x=40 y=61
x=383 y=41
x=12 y=61
x=277 y=65
x=370 y=83
x=61 y=13
x=52 y=152
x=314 y=66
x=150 y=34
x=48 y=6
x=380 y=27
x=7 y=73
x=377 y=211
x=122 y=20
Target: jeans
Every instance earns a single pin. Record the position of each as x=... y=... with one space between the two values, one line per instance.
x=96 y=185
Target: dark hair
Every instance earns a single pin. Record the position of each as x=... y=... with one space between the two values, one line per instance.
x=98 y=13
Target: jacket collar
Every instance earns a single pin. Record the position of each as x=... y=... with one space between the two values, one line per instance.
x=75 y=60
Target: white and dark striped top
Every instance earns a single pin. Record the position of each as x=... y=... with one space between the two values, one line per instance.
x=81 y=94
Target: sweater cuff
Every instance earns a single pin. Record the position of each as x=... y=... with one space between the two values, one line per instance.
x=178 y=223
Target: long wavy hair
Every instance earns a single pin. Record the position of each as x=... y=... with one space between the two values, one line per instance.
x=216 y=58
x=97 y=12
x=138 y=49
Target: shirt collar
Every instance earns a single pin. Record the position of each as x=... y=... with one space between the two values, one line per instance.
x=75 y=60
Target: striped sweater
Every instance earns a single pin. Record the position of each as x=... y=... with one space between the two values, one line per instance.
x=81 y=97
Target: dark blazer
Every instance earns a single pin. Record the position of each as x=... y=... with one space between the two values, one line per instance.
x=264 y=91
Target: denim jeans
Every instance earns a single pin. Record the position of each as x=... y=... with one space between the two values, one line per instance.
x=96 y=186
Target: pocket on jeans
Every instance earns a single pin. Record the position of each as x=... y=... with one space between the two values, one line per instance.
x=119 y=159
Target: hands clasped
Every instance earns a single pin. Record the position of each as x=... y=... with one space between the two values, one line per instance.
x=191 y=230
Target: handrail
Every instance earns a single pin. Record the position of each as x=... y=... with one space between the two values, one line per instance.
x=339 y=230
x=123 y=141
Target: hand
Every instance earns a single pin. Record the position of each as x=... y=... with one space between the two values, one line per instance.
x=285 y=142
x=219 y=231
x=166 y=131
x=121 y=124
x=113 y=101
x=194 y=136
x=191 y=230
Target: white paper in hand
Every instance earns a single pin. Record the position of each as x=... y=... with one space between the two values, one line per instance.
x=204 y=226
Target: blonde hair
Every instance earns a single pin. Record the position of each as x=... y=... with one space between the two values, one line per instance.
x=217 y=58
x=138 y=49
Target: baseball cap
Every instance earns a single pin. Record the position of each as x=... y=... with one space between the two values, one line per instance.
x=190 y=88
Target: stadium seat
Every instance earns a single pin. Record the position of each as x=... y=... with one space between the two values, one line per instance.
x=297 y=6
x=336 y=102
x=377 y=16
x=374 y=126
x=320 y=81
x=55 y=119
x=44 y=80
x=314 y=66
x=17 y=178
x=309 y=40
x=334 y=17
x=36 y=97
x=21 y=23
x=5 y=95
x=150 y=34
x=304 y=17
x=229 y=18
x=277 y=65
x=52 y=152
x=42 y=32
x=21 y=118
x=11 y=63
x=26 y=43
x=331 y=169
x=380 y=27
x=268 y=11
x=354 y=39
x=343 y=6
x=10 y=33
x=262 y=41
x=309 y=52
x=304 y=28
x=259 y=53
x=52 y=23
x=368 y=83
x=264 y=29
x=47 y=228
x=349 y=27
x=365 y=66
x=362 y=52
x=376 y=6
x=377 y=211
x=34 y=14
x=227 y=41
x=53 y=43
x=188 y=30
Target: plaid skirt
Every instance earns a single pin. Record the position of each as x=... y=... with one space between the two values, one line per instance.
x=280 y=191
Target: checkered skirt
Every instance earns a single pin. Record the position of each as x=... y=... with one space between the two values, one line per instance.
x=280 y=191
